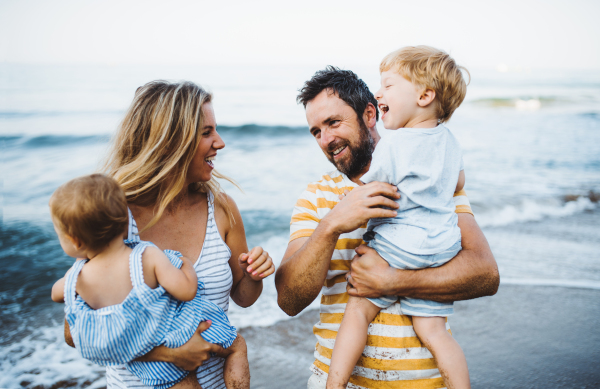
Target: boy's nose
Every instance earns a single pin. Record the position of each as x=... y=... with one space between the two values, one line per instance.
x=378 y=94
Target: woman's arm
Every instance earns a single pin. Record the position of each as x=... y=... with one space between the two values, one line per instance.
x=247 y=286
x=472 y=273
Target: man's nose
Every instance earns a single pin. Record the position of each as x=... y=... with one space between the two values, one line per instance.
x=326 y=138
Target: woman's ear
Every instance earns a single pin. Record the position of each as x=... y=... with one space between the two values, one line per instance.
x=426 y=98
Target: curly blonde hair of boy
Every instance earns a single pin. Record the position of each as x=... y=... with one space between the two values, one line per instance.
x=92 y=209
x=429 y=68
x=155 y=144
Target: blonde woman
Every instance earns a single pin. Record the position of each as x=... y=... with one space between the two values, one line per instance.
x=163 y=158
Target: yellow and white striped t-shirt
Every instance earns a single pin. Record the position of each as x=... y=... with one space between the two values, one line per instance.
x=394 y=357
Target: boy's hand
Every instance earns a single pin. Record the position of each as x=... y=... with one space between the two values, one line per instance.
x=256 y=264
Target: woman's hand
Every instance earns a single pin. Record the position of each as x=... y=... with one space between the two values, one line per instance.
x=256 y=264
x=189 y=356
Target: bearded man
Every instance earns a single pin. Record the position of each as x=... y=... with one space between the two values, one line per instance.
x=326 y=233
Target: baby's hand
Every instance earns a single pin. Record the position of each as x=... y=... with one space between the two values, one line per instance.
x=257 y=263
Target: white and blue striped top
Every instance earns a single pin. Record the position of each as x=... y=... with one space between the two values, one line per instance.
x=212 y=268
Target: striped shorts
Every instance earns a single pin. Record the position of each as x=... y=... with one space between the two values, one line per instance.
x=400 y=259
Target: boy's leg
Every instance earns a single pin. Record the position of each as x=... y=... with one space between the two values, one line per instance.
x=189 y=382
x=236 y=371
x=448 y=355
x=350 y=340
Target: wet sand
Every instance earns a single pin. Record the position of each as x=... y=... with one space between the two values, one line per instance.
x=523 y=337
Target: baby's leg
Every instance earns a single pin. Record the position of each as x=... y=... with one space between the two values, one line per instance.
x=237 y=370
x=189 y=382
x=350 y=340
x=448 y=355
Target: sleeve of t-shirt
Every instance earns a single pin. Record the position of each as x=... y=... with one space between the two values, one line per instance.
x=462 y=163
x=461 y=201
x=381 y=163
x=304 y=216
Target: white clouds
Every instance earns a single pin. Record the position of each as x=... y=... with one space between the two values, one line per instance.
x=518 y=33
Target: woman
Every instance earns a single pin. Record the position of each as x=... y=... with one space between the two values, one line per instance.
x=162 y=156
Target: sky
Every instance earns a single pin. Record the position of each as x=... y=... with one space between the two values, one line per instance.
x=506 y=34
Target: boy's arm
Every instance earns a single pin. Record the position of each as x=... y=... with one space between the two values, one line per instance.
x=461 y=181
x=180 y=283
x=472 y=273
x=58 y=291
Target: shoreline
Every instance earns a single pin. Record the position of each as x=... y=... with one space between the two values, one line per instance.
x=524 y=336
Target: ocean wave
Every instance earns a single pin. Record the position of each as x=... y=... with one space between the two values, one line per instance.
x=33 y=142
x=521 y=102
x=530 y=210
x=32 y=114
x=43 y=360
x=579 y=284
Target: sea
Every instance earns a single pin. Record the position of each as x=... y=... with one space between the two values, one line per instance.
x=531 y=146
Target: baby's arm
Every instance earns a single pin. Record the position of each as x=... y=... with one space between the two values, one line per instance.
x=461 y=181
x=180 y=283
x=58 y=291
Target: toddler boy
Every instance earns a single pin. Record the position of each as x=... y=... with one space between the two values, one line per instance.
x=421 y=87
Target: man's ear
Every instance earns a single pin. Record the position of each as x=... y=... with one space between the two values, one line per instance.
x=75 y=242
x=370 y=115
x=426 y=98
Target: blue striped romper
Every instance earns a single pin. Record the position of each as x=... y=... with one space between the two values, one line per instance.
x=145 y=319
x=212 y=268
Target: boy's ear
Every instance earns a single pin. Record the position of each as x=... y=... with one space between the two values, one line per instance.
x=426 y=98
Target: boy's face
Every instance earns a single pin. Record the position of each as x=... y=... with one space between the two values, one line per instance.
x=397 y=100
x=68 y=245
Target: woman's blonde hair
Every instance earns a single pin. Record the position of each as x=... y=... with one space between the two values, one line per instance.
x=154 y=146
x=430 y=68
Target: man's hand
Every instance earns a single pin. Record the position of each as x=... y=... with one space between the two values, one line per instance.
x=361 y=204
x=472 y=273
x=370 y=275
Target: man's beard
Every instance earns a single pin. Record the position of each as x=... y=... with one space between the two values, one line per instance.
x=359 y=154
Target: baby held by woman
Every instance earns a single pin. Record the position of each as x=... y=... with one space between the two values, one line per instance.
x=125 y=298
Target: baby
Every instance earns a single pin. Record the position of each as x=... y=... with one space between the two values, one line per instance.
x=420 y=89
x=122 y=300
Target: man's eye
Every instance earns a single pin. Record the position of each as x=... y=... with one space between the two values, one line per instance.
x=316 y=133
x=335 y=122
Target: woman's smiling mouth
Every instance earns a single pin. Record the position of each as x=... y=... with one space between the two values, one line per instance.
x=209 y=161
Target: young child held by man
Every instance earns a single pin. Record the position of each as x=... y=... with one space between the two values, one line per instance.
x=421 y=87
x=122 y=300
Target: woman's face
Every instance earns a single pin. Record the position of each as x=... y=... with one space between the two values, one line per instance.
x=203 y=162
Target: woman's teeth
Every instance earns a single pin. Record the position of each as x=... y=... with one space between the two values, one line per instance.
x=210 y=160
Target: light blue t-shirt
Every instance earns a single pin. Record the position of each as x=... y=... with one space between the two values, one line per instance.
x=424 y=163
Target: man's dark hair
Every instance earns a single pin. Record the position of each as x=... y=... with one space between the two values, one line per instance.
x=345 y=83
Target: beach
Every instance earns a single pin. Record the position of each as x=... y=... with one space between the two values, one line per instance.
x=522 y=337
x=531 y=147
x=504 y=347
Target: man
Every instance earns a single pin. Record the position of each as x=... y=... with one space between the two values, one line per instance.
x=326 y=233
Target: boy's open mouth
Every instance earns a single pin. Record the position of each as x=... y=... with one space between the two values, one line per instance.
x=383 y=108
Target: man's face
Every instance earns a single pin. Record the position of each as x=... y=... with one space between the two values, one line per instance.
x=343 y=137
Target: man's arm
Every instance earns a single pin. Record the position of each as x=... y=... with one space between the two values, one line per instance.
x=304 y=266
x=472 y=273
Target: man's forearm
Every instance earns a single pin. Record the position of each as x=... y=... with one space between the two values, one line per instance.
x=472 y=273
x=303 y=269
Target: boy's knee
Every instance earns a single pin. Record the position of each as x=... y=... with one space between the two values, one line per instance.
x=239 y=345
x=428 y=327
